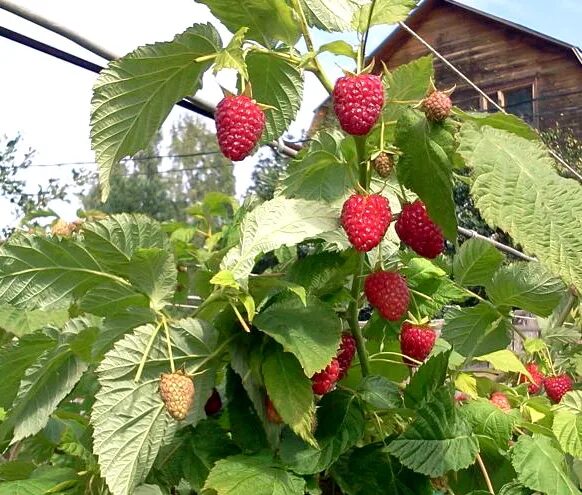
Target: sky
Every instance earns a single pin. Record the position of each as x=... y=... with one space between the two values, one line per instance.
x=47 y=101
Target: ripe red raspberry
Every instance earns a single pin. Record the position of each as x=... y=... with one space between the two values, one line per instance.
x=239 y=125
x=346 y=353
x=557 y=386
x=416 y=341
x=418 y=232
x=538 y=378
x=437 y=106
x=388 y=293
x=383 y=164
x=499 y=399
x=323 y=381
x=365 y=220
x=272 y=413
x=213 y=404
x=358 y=101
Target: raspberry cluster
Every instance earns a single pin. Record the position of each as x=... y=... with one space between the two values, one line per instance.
x=437 y=106
x=557 y=386
x=358 y=102
x=416 y=342
x=418 y=231
x=365 y=220
x=538 y=378
x=499 y=399
x=324 y=381
x=388 y=293
x=177 y=392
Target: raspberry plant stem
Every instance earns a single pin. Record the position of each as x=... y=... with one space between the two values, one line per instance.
x=354 y=308
x=485 y=474
x=146 y=352
x=169 y=344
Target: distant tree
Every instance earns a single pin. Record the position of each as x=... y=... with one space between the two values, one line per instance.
x=267 y=174
x=204 y=168
x=13 y=187
x=564 y=142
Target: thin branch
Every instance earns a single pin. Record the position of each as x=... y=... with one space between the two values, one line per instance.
x=498 y=245
x=367 y=31
x=485 y=474
x=478 y=89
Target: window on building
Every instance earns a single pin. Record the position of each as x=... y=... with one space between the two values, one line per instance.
x=519 y=101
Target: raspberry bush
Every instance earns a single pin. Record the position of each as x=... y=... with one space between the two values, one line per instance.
x=236 y=353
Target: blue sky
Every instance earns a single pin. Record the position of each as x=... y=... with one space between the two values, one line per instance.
x=47 y=101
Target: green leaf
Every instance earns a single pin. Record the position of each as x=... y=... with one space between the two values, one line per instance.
x=385 y=12
x=330 y=16
x=438 y=440
x=153 y=272
x=135 y=93
x=15 y=359
x=427 y=380
x=110 y=298
x=232 y=57
x=340 y=421
x=498 y=120
x=245 y=425
x=148 y=490
x=540 y=466
x=567 y=425
x=516 y=188
x=16 y=470
x=311 y=333
x=409 y=82
x=290 y=391
x=20 y=323
x=276 y=223
x=43 y=272
x=379 y=392
x=476 y=262
x=476 y=330
x=225 y=278
x=425 y=168
x=514 y=488
x=504 y=360
x=489 y=421
x=45 y=384
x=372 y=470
x=129 y=419
x=526 y=285
x=116 y=239
x=253 y=475
x=339 y=47
x=277 y=83
x=42 y=481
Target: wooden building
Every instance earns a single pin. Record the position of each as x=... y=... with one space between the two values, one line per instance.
x=528 y=73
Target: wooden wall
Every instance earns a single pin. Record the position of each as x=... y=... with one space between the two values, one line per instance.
x=495 y=57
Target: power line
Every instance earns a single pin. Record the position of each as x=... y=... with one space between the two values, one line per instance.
x=126 y=160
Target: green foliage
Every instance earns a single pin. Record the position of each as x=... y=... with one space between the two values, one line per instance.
x=502 y=162
x=476 y=262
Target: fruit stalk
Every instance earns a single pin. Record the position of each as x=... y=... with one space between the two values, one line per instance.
x=354 y=308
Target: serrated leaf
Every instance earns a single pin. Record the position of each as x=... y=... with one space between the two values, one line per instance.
x=253 y=475
x=20 y=323
x=311 y=333
x=153 y=272
x=232 y=57
x=438 y=440
x=540 y=466
x=516 y=188
x=110 y=298
x=225 y=278
x=290 y=391
x=476 y=262
x=330 y=15
x=476 y=330
x=429 y=377
x=129 y=419
x=275 y=223
x=409 y=82
x=514 y=488
x=426 y=169
x=15 y=359
x=498 y=120
x=504 y=360
x=567 y=425
x=134 y=94
x=490 y=421
x=526 y=285
x=339 y=47
x=372 y=470
x=379 y=392
x=277 y=83
x=117 y=238
x=340 y=421
x=43 y=272
x=385 y=12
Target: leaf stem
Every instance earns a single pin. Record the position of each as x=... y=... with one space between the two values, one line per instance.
x=240 y=318
x=485 y=474
x=147 y=352
x=365 y=40
x=169 y=344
